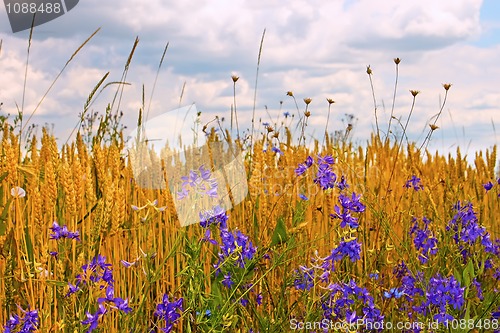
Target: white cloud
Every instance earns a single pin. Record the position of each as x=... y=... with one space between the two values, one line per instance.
x=317 y=49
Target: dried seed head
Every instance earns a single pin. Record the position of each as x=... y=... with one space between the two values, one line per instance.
x=289 y=93
x=330 y=101
x=433 y=127
x=349 y=127
x=235 y=78
x=307 y=113
x=397 y=61
x=269 y=129
x=307 y=101
x=414 y=92
x=368 y=70
x=276 y=135
x=447 y=86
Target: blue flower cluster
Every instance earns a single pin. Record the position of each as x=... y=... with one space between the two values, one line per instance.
x=435 y=297
x=350 y=248
x=467 y=231
x=348 y=205
x=63 y=232
x=423 y=240
x=169 y=311
x=325 y=176
x=349 y=302
x=304 y=166
x=323 y=267
x=215 y=216
x=414 y=182
x=98 y=273
x=235 y=245
x=304 y=278
x=27 y=323
x=442 y=292
x=96 y=270
x=200 y=181
x=489 y=185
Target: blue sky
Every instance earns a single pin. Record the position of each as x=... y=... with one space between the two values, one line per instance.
x=490 y=11
x=317 y=49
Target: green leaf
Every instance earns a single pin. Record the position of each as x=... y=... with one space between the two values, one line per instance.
x=56 y=283
x=468 y=273
x=2 y=177
x=481 y=268
x=457 y=275
x=29 y=247
x=3 y=218
x=467 y=312
x=279 y=235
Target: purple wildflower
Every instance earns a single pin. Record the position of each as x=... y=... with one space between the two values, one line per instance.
x=345 y=217
x=200 y=181
x=304 y=166
x=466 y=230
x=325 y=177
x=277 y=150
x=423 y=240
x=227 y=282
x=235 y=243
x=342 y=185
x=128 y=264
x=258 y=299
x=303 y=197
x=351 y=248
x=93 y=319
x=326 y=160
x=96 y=270
x=304 y=278
x=342 y=301
x=353 y=204
x=488 y=186
x=414 y=182
x=169 y=311
x=216 y=216
x=479 y=290
x=63 y=232
x=29 y=322
x=441 y=292
x=208 y=237
x=393 y=293
x=72 y=289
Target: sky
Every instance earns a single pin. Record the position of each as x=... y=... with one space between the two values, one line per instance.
x=317 y=49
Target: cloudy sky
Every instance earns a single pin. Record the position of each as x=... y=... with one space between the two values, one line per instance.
x=318 y=49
